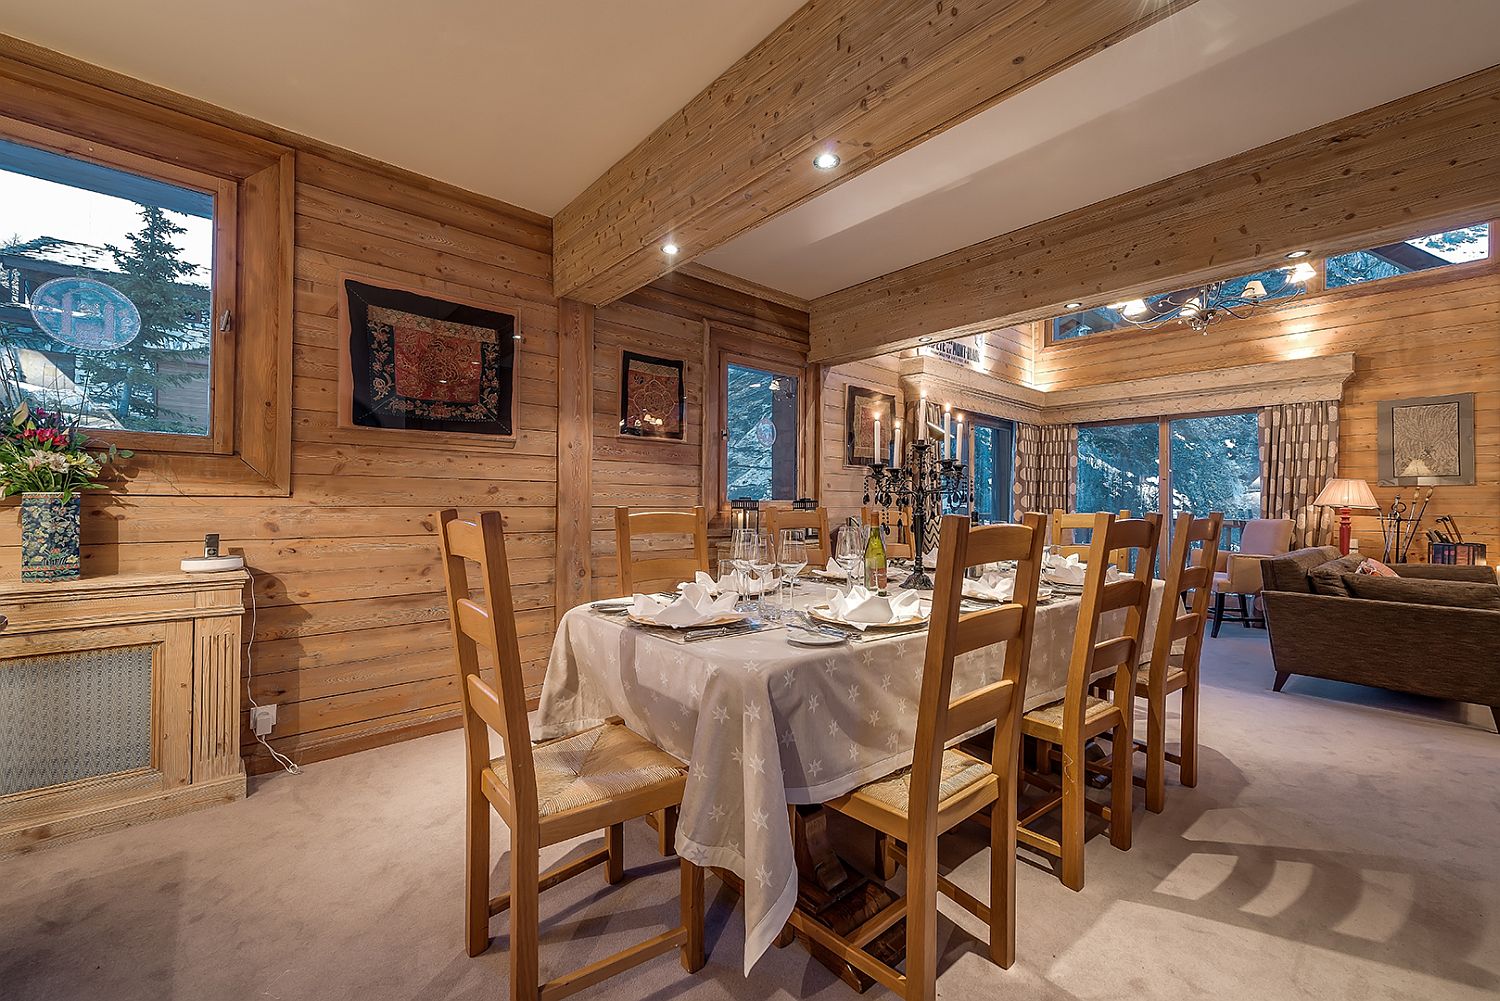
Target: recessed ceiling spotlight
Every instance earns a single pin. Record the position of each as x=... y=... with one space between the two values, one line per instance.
x=1074 y=305
x=1297 y=253
x=826 y=161
x=924 y=339
x=670 y=249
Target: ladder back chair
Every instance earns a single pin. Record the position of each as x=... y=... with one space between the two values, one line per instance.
x=945 y=786
x=547 y=793
x=1063 y=524
x=1170 y=672
x=900 y=549
x=779 y=519
x=657 y=573
x=1069 y=724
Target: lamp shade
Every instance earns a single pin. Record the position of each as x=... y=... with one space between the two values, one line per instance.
x=1346 y=493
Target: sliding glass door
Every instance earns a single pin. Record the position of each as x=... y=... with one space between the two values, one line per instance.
x=994 y=456
x=1119 y=467
x=1214 y=465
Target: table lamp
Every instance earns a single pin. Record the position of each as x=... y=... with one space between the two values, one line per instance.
x=1344 y=495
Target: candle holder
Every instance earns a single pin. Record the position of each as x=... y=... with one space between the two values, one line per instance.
x=925 y=484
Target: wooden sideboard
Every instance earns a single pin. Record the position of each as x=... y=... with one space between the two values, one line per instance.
x=119 y=702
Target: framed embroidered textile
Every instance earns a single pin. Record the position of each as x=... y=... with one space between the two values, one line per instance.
x=862 y=407
x=418 y=362
x=652 y=397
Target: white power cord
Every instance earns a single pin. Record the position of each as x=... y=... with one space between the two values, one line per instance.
x=281 y=759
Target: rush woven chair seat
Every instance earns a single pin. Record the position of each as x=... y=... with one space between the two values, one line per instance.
x=1079 y=717
x=910 y=809
x=548 y=793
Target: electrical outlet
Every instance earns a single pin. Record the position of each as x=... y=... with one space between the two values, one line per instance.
x=262 y=719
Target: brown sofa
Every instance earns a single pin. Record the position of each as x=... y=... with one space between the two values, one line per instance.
x=1433 y=631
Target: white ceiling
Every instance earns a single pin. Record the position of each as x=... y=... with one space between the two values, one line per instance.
x=525 y=102
x=1218 y=78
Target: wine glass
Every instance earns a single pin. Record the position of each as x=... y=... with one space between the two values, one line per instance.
x=791 y=556
x=851 y=550
x=741 y=550
x=762 y=563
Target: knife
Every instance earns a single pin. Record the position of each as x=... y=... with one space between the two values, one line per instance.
x=714 y=632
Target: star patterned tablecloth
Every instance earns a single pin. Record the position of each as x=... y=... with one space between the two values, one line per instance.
x=764 y=724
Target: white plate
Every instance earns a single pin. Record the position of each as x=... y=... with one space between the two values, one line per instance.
x=612 y=603
x=804 y=637
x=825 y=575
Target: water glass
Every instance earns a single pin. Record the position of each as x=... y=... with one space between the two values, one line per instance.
x=763 y=564
x=851 y=551
x=791 y=556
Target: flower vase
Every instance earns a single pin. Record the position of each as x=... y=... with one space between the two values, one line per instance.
x=49 y=537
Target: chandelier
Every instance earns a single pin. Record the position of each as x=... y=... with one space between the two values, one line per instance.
x=1202 y=306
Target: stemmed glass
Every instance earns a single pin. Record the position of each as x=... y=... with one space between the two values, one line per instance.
x=741 y=552
x=791 y=556
x=762 y=563
x=851 y=550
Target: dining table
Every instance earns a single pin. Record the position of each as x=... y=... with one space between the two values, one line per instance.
x=765 y=725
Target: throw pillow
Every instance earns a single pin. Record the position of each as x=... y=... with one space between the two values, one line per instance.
x=1375 y=568
x=1328 y=578
x=1449 y=593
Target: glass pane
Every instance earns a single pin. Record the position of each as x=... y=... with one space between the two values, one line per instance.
x=105 y=294
x=1456 y=246
x=762 y=452
x=1216 y=467
x=1105 y=318
x=992 y=472
x=1118 y=468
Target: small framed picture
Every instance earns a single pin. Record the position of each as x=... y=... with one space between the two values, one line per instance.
x=1426 y=441
x=862 y=408
x=653 y=401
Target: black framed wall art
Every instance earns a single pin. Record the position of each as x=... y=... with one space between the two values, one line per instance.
x=414 y=361
x=862 y=407
x=653 y=398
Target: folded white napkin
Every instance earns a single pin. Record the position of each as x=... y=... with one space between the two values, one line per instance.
x=696 y=604
x=835 y=571
x=861 y=608
x=991 y=587
x=930 y=558
x=1072 y=570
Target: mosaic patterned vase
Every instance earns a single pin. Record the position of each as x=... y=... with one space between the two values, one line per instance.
x=49 y=537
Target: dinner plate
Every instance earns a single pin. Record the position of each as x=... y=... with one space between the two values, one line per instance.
x=722 y=619
x=825 y=575
x=808 y=637
x=824 y=614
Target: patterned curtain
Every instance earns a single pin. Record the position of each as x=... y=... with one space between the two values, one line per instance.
x=1046 y=471
x=1299 y=454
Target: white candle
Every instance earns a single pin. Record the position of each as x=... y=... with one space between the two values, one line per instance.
x=947 y=430
x=922 y=418
x=958 y=438
x=877 y=439
x=896 y=445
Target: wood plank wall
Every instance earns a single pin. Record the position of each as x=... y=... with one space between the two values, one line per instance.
x=667 y=318
x=843 y=486
x=1417 y=335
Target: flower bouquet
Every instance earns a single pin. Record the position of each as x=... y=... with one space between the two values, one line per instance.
x=46 y=460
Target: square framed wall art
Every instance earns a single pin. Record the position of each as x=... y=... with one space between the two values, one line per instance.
x=862 y=407
x=653 y=397
x=412 y=361
x=1426 y=440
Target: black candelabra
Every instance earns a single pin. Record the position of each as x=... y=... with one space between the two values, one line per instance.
x=926 y=485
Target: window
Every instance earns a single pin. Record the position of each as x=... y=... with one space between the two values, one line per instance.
x=1105 y=318
x=107 y=293
x=1423 y=253
x=1118 y=467
x=1214 y=465
x=761 y=411
x=994 y=457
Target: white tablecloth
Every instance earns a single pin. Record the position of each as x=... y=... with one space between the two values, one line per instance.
x=764 y=724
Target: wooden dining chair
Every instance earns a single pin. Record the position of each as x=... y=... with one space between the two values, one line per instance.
x=548 y=793
x=1070 y=723
x=944 y=786
x=660 y=573
x=1171 y=672
x=1062 y=526
x=896 y=524
x=779 y=519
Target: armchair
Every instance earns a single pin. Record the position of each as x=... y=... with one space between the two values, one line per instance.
x=1238 y=573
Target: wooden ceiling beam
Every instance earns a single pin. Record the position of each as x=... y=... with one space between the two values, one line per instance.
x=866 y=79
x=1423 y=163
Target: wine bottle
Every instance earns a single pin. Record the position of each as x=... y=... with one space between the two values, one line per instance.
x=875 y=564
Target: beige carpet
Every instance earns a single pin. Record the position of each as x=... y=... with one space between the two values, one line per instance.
x=1342 y=843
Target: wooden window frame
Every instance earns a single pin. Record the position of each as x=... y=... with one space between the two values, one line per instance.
x=220 y=437
x=724 y=345
x=248 y=449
